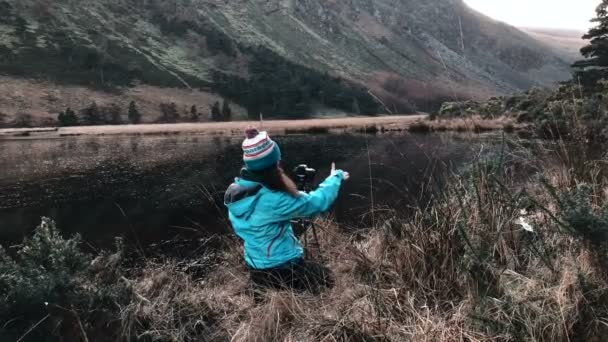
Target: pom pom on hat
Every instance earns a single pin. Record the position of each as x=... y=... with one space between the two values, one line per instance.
x=259 y=151
x=251 y=132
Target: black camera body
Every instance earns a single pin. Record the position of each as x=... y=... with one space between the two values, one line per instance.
x=304 y=176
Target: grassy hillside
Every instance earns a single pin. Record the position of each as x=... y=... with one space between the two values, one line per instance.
x=40 y=102
x=280 y=57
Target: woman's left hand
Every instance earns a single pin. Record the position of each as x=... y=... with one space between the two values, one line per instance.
x=345 y=175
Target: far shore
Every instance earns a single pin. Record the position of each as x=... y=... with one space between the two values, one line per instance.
x=375 y=123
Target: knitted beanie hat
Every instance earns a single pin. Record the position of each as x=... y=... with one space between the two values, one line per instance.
x=259 y=151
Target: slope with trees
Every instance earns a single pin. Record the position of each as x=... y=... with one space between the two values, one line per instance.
x=327 y=55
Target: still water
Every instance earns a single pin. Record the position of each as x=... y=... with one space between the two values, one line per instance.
x=155 y=187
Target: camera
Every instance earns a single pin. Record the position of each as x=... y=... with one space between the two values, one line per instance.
x=304 y=175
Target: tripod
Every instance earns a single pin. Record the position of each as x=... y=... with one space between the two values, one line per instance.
x=308 y=225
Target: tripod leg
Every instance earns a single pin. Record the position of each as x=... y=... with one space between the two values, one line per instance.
x=314 y=234
x=306 y=255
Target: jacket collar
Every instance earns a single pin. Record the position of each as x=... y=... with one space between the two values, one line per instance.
x=251 y=176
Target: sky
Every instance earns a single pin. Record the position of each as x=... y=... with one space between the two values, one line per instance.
x=563 y=14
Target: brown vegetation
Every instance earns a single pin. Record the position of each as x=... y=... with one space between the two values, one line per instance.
x=463 y=269
x=466 y=124
x=228 y=128
x=401 y=95
x=497 y=255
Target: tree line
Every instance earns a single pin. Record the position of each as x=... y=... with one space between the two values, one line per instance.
x=277 y=87
x=113 y=114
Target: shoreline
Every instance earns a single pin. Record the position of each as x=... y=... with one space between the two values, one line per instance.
x=400 y=122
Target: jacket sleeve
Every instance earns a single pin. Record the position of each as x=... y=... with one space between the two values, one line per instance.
x=311 y=204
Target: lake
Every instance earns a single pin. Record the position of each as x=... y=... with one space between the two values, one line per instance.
x=157 y=187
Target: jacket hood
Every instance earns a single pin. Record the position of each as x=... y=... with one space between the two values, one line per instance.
x=241 y=197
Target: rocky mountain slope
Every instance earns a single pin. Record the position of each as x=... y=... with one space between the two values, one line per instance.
x=279 y=57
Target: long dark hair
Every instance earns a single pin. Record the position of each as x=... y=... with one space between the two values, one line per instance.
x=274 y=178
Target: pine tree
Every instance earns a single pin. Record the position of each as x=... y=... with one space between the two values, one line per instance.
x=169 y=113
x=91 y=114
x=356 y=108
x=194 y=114
x=134 y=115
x=174 y=113
x=216 y=113
x=70 y=117
x=595 y=65
x=115 y=114
x=67 y=118
x=21 y=27
x=226 y=111
x=61 y=119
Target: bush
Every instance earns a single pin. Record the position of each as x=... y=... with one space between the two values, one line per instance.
x=67 y=118
x=3 y=120
x=459 y=109
x=23 y=120
x=48 y=281
x=420 y=127
x=568 y=112
x=169 y=113
x=134 y=114
x=579 y=216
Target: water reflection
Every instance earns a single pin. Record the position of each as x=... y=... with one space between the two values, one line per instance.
x=156 y=186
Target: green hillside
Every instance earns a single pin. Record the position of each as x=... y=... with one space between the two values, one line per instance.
x=279 y=57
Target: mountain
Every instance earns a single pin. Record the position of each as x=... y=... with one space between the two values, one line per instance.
x=567 y=43
x=279 y=57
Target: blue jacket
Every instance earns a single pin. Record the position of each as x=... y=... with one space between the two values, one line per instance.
x=262 y=218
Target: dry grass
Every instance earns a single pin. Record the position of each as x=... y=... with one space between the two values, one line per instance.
x=458 y=269
x=468 y=124
x=236 y=127
x=461 y=269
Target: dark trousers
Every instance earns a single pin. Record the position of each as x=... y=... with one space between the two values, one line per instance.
x=300 y=276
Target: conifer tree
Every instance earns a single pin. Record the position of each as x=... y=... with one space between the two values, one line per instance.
x=595 y=65
x=216 y=112
x=61 y=119
x=21 y=27
x=169 y=113
x=134 y=115
x=194 y=114
x=115 y=114
x=91 y=114
x=226 y=111
x=70 y=118
x=356 y=108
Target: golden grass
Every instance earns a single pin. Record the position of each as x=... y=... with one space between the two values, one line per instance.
x=467 y=124
x=400 y=301
x=460 y=270
x=237 y=127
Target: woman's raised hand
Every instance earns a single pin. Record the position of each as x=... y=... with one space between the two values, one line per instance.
x=345 y=175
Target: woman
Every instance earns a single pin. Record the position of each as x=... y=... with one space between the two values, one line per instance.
x=261 y=204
